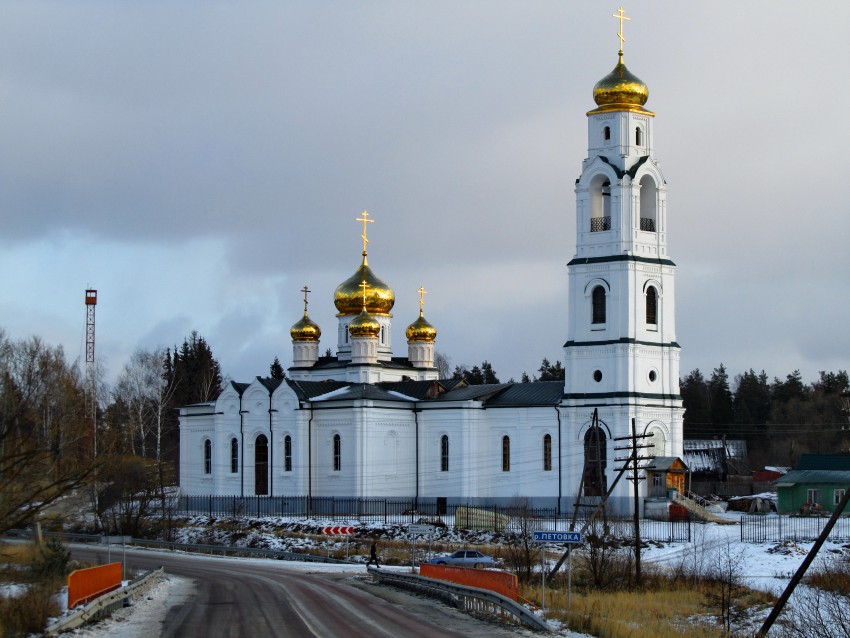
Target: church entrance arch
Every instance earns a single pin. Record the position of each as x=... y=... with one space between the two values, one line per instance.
x=595 y=462
x=261 y=466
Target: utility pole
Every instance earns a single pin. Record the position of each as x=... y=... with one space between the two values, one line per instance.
x=635 y=459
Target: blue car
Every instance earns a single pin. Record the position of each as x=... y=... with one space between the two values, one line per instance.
x=465 y=558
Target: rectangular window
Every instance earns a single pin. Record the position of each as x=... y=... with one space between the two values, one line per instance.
x=207 y=457
x=337 y=453
x=657 y=480
x=506 y=454
x=444 y=454
x=837 y=495
x=287 y=454
x=547 y=453
x=813 y=496
x=234 y=456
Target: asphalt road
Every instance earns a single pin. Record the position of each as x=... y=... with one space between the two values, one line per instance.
x=254 y=598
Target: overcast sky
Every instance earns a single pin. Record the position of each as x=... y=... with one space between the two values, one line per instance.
x=199 y=162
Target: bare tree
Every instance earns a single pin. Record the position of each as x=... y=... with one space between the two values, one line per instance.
x=724 y=575
x=444 y=365
x=46 y=444
x=521 y=551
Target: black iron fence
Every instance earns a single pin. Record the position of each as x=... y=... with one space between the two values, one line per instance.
x=774 y=529
x=512 y=518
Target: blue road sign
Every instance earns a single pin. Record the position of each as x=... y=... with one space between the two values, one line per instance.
x=557 y=537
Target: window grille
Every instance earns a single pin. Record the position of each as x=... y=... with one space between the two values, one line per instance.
x=598 y=224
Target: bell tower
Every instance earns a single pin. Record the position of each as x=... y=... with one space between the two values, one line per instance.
x=621 y=355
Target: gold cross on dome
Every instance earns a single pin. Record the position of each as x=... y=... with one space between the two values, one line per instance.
x=305 y=290
x=365 y=219
x=620 y=15
x=422 y=292
x=364 y=286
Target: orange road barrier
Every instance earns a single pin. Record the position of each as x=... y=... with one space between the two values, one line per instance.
x=499 y=582
x=87 y=584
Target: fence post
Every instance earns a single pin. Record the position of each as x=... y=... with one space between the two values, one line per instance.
x=210 y=507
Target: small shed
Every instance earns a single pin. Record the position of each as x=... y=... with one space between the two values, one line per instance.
x=666 y=473
x=817 y=484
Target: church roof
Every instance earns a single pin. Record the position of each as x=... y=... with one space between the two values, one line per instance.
x=307 y=390
x=239 y=387
x=481 y=392
x=421 y=390
x=270 y=384
x=523 y=394
x=367 y=391
x=331 y=363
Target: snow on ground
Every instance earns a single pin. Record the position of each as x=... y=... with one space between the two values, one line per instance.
x=146 y=612
x=765 y=566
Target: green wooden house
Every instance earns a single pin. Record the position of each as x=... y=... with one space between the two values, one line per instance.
x=815 y=486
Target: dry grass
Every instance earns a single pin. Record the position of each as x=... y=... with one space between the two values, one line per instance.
x=662 y=609
x=28 y=612
x=831 y=576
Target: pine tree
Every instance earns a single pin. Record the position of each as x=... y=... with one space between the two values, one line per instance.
x=720 y=400
x=694 y=391
x=276 y=370
x=551 y=372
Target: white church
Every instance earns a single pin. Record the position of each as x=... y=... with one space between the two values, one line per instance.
x=365 y=423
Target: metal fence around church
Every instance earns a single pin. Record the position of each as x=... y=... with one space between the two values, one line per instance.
x=406 y=511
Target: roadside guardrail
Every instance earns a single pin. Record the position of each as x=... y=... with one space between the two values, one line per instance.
x=104 y=605
x=467 y=598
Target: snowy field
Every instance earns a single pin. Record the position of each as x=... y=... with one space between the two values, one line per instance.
x=767 y=566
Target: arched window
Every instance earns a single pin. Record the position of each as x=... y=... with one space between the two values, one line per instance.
x=547 y=453
x=506 y=454
x=261 y=466
x=648 y=204
x=651 y=306
x=595 y=463
x=234 y=455
x=638 y=137
x=600 y=204
x=607 y=133
x=598 y=305
x=287 y=453
x=337 y=453
x=444 y=453
x=207 y=456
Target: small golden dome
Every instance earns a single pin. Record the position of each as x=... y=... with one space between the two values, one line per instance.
x=305 y=330
x=364 y=325
x=348 y=296
x=620 y=90
x=421 y=330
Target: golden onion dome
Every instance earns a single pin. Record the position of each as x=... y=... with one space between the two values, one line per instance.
x=364 y=325
x=348 y=296
x=620 y=90
x=421 y=330
x=305 y=330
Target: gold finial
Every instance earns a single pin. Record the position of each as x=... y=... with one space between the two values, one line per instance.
x=305 y=290
x=422 y=292
x=620 y=15
x=365 y=219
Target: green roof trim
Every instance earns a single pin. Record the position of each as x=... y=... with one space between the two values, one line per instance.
x=624 y=340
x=580 y=261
